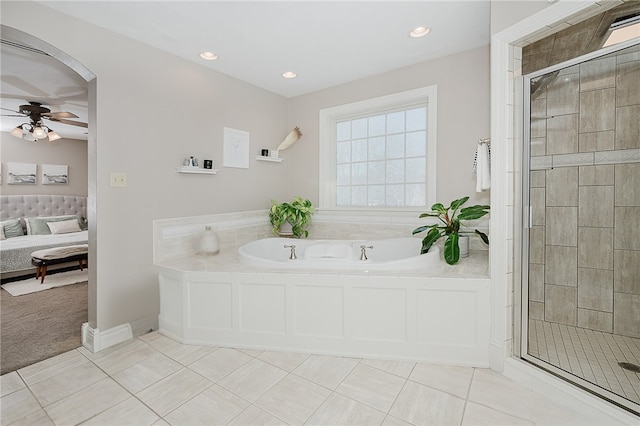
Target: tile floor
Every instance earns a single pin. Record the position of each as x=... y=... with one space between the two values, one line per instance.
x=592 y=355
x=153 y=380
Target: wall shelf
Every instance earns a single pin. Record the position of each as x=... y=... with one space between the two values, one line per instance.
x=196 y=170
x=271 y=159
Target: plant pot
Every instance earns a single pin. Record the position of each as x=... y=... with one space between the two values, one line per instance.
x=463 y=245
x=285 y=230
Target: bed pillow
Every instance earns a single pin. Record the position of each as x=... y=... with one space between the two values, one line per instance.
x=64 y=226
x=12 y=228
x=38 y=225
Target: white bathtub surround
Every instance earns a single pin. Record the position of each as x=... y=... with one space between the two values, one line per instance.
x=364 y=255
x=437 y=313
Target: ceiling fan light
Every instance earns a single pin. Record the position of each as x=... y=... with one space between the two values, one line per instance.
x=39 y=133
x=17 y=132
x=53 y=136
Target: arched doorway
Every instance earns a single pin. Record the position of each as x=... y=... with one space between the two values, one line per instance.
x=42 y=46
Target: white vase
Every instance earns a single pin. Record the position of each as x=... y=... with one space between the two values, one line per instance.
x=209 y=242
x=463 y=244
x=286 y=230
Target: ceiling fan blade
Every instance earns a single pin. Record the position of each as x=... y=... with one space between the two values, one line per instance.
x=12 y=110
x=73 y=123
x=61 y=114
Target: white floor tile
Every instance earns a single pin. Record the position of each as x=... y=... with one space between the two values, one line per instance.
x=451 y=379
x=87 y=403
x=219 y=364
x=214 y=406
x=127 y=413
x=122 y=356
x=393 y=421
x=36 y=418
x=340 y=410
x=253 y=379
x=171 y=392
x=325 y=371
x=422 y=405
x=288 y=361
x=254 y=416
x=10 y=383
x=17 y=405
x=52 y=366
x=293 y=399
x=376 y=388
x=399 y=368
x=477 y=415
x=146 y=373
x=186 y=354
x=67 y=383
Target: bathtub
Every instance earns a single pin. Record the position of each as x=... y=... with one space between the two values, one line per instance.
x=385 y=254
x=331 y=306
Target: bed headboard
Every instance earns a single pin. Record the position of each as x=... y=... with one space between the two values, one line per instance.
x=16 y=206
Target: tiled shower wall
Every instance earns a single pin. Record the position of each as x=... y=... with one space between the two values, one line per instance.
x=584 y=255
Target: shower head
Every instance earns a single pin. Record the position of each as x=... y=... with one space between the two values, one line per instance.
x=542 y=83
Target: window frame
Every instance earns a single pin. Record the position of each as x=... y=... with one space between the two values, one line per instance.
x=328 y=118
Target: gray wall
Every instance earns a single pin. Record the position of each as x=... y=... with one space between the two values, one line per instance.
x=463 y=119
x=138 y=84
x=71 y=152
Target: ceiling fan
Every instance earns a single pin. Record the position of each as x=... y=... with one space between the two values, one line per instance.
x=35 y=129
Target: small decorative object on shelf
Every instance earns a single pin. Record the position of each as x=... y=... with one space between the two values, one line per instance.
x=209 y=242
x=208 y=164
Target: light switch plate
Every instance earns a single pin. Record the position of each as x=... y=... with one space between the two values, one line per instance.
x=118 y=180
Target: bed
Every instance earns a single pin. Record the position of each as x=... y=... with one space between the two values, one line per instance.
x=47 y=221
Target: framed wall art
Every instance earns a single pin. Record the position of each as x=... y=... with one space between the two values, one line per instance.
x=236 y=148
x=55 y=174
x=21 y=174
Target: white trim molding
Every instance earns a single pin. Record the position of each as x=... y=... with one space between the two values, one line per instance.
x=95 y=340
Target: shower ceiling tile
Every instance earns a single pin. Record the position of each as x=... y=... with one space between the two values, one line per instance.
x=627 y=127
x=597 y=110
x=627 y=87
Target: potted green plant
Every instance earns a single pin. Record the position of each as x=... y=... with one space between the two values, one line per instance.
x=297 y=213
x=449 y=226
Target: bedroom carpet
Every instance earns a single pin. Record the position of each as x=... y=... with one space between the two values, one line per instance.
x=40 y=325
x=31 y=284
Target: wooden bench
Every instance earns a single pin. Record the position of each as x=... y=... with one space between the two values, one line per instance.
x=53 y=256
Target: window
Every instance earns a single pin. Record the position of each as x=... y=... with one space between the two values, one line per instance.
x=379 y=153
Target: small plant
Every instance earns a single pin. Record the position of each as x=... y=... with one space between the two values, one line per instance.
x=449 y=226
x=297 y=213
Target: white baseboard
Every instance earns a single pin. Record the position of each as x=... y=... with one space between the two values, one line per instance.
x=95 y=340
x=144 y=325
x=567 y=394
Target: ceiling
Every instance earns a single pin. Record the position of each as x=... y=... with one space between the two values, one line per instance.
x=326 y=43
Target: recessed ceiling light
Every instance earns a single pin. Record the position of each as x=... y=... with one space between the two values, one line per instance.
x=289 y=74
x=419 y=32
x=209 y=56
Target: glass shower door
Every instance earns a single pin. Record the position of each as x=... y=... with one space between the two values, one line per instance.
x=581 y=240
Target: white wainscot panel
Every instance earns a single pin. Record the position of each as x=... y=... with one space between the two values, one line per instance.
x=447 y=317
x=210 y=306
x=318 y=311
x=170 y=318
x=380 y=314
x=263 y=308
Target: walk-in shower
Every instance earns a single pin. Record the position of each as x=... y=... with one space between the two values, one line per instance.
x=581 y=222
